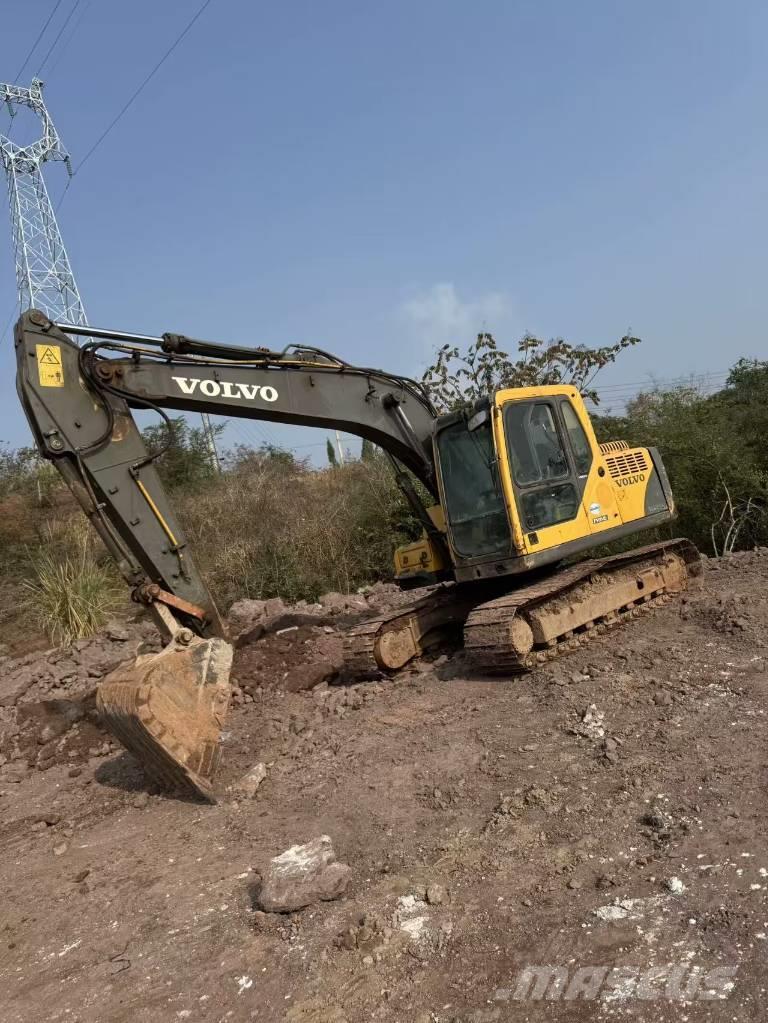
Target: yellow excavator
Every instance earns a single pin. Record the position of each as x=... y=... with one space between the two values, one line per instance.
x=519 y=490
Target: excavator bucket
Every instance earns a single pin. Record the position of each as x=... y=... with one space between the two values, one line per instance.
x=168 y=709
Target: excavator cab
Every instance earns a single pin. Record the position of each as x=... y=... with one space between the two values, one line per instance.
x=524 y=483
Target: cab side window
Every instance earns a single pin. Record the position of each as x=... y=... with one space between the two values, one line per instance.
x=534 y=444
x=582 y=452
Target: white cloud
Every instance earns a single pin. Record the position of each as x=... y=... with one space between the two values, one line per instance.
x=438 y=316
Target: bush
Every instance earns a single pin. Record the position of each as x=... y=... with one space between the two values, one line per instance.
x=71 y=594
x=274 y=527
x=713 y=447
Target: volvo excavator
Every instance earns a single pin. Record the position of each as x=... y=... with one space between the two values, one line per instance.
x=519 y=490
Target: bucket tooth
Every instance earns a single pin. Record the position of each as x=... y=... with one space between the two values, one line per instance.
x=168 y=709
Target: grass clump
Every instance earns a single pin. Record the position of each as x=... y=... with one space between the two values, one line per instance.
x=71 y=594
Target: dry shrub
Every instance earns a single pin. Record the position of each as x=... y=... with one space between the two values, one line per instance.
x=274 y=527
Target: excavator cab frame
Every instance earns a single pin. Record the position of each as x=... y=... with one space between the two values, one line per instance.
x=524 y=483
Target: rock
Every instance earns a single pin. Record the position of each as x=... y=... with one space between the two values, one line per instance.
x=55 y=717
x=348 y=939
x=248 y=785
x=273 y=607
x=245 y=613
x=14 y=773
x=81 y=875
x=14 y=685
x=60 y=849
x=302 y=875
x=117 y=632
x=436 y=894
x=662 y=699
x=658 y=819
x=333 y=601
x=141 y=801
x=591 y=725
x=308 y=676
x=674 y=885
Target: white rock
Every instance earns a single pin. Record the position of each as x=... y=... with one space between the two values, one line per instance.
x=675 y=885
x=302 y=875
x=249 y=784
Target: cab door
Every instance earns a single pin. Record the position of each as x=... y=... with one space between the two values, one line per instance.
x=552 y=465
x=598 y=496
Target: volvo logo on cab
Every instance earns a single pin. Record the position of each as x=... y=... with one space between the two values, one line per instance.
x=225 y=389
x=627 y=481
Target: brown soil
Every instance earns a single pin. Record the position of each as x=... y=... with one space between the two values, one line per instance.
x=520 y=818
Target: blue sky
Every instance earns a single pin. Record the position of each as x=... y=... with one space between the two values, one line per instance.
x=380 y=178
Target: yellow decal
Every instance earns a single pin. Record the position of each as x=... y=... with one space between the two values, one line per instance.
x=49 y=366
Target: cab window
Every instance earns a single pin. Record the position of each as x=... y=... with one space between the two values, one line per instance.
x=474 y=502
x=546 y=506
x=535 y=449
x=582 y=452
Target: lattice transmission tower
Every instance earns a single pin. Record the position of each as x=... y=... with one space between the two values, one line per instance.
x=44 y=277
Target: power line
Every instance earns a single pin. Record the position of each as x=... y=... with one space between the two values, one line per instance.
x=69 y=39
x=40 y=35
x=663 y=380
x=8 y=322
x=59 y=35
x=143 y=85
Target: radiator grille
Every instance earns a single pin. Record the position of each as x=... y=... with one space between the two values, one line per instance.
x=626 y=464
x=614 y=445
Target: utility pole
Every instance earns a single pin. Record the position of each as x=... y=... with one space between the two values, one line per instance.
x=210 y=440
x=341 y=450
x=44 y=278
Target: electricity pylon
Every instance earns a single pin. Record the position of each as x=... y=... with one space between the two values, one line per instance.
x=44 y=277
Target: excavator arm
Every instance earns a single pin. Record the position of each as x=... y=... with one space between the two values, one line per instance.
x=78 y=399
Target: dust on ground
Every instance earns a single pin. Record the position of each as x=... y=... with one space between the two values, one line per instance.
x=604 y=812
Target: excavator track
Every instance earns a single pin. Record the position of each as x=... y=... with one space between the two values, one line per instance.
x=392 y=639
x=533 y=624
x=567 y=609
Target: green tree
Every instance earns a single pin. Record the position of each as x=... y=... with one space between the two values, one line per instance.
x=713 y=452
x=457 y=379
x=330 y=451
x=244 y=458
x=367 y=451
x=186 y=459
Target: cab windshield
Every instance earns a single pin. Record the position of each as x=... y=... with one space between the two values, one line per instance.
x=474 y=508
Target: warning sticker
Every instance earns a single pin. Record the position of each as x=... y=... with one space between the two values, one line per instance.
x=49 y=366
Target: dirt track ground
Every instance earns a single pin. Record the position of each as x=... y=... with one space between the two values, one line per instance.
x=552 y=847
